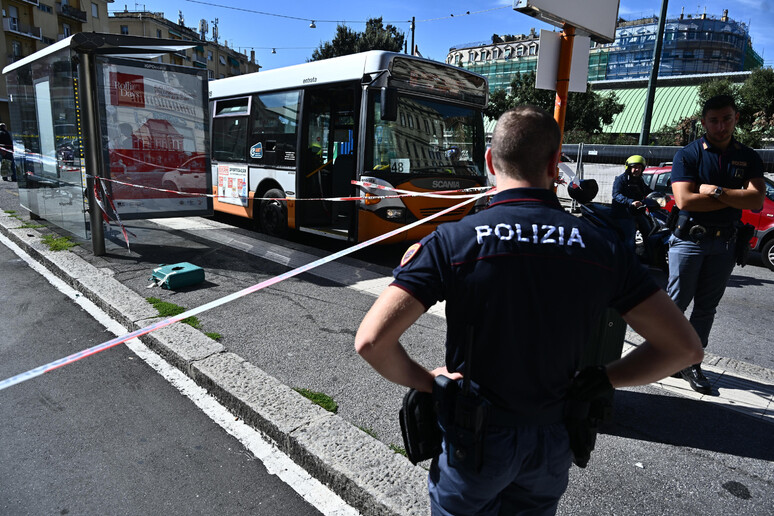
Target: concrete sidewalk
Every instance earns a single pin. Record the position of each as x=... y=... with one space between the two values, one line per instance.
x=361 y=469
x=736 y=385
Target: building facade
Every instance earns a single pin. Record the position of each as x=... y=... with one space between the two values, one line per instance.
x=31 y=25
x=220 y=61
x=692 y=45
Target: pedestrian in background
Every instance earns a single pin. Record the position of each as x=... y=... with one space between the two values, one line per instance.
x=6 y=151
x=713 y=179
x=505 y=273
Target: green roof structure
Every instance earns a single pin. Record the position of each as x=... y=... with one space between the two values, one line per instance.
x=671 y=104
x=676 y=98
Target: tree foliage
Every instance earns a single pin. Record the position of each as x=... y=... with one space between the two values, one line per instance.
x=347 y=41
x=586 y=112
x=754 y=99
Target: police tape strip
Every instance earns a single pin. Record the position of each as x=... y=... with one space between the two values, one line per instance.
x=38 y=371
x=443 y=194
x=439 y=194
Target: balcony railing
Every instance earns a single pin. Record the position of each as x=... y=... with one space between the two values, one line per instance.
x=33 y=2
x=70 y=12
x=199 y=58
x=15 y=26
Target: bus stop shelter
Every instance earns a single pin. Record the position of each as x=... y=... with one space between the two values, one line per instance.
x=103 y=130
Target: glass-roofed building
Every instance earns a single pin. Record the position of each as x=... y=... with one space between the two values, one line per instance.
x=700 y=44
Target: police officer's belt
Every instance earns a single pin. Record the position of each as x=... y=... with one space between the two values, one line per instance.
x=687 y=229
x=501 y=417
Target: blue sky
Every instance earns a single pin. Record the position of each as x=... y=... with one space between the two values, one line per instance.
x=284 y=26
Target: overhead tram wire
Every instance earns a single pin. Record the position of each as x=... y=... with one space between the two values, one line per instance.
x=412 y=22
x=264 y=13
x=317 y=20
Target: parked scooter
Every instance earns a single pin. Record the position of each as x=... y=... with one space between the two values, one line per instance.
x=652 y=247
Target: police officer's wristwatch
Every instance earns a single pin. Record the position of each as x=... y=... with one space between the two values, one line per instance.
x=717 y=192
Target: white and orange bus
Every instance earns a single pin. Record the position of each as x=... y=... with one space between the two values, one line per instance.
x=304 y=132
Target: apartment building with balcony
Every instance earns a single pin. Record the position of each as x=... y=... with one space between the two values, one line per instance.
x=220 y=61
x=31 y=25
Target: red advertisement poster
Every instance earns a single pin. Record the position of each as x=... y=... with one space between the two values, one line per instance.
x=127 y=89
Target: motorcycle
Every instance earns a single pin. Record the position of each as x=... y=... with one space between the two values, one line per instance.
x=651 y=241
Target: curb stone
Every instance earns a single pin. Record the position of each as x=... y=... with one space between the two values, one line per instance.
x=362 y=470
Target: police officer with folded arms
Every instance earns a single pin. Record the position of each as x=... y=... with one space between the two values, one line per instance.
x=713 y=179
x=524 y=284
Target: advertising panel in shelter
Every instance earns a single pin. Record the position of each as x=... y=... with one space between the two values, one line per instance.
x=155 y=136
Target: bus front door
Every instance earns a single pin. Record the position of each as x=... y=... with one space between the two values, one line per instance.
x=328 y=164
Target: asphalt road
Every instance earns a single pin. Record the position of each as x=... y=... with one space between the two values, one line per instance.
x=108 y=435
x=664 y=455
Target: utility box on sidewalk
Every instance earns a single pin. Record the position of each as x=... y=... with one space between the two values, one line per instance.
x=606 y=342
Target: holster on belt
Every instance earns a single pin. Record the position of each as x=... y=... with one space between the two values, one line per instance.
x=419 y=426
x=744 y=234
x=463 y=415
x=682 y=226
x=671 y=222
x=589 y=405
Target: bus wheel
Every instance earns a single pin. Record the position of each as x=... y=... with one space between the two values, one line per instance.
x=273 y=214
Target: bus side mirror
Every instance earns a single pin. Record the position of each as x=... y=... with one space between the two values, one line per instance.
x=389 y=105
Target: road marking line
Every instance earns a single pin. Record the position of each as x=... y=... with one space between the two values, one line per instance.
x=276 y=462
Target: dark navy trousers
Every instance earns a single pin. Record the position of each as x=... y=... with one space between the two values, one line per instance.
x=525 y=471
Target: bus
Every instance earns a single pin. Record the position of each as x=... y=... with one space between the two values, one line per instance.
x=285 y=141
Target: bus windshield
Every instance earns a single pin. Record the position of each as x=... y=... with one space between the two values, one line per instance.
x=428 y=138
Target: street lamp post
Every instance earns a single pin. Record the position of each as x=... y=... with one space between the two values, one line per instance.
x=645 y=131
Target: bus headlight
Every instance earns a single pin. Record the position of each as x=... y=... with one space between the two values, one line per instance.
x=394 y=213
x=370 y=199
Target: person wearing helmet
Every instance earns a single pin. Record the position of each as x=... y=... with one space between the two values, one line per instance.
x=629 y=189
x=629 y=192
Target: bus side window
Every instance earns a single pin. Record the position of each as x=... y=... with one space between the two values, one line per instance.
x=229 y=139
x=275 y=126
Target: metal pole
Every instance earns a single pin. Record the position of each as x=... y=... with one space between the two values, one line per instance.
x=563 y=78
x=645 y=132
x=93 y=141
x=412 y=35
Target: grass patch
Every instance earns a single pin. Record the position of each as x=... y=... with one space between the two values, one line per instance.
x=369 y=431
x=62 y=243
x=166 y=309
x=398 y=449
x=30 y=225
x=213 y=335
x=9 y=212
x=319 y=398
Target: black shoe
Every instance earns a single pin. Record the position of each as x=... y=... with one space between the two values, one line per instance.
x=696 y=379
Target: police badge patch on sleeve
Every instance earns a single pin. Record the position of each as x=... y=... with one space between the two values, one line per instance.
x=410 y=253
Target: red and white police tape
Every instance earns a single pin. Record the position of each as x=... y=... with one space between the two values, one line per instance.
x=38 y=371
x=401 y=193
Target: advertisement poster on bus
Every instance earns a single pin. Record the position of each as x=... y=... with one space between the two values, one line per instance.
x=155 y=136
x=232 y=184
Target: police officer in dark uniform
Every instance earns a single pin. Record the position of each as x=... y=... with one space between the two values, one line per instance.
x=713 y=179
x=505 y=274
